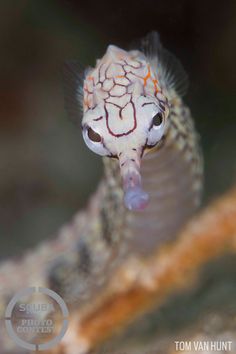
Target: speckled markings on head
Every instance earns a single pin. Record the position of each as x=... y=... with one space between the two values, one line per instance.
x=133 y=115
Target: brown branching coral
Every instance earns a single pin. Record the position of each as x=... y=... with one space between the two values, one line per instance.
x=145 y=283
x=140 y=284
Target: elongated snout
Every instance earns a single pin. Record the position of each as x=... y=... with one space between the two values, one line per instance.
x=135 y=198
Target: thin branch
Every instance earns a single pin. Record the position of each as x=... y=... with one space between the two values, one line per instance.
x=141 y=284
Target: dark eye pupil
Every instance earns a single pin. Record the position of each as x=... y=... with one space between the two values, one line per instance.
x=94 y=136
x=157 y=119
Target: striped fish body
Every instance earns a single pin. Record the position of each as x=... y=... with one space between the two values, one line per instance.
x=172 y=175
x=133 y=111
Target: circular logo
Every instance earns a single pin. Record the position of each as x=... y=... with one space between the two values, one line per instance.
x=36 y=318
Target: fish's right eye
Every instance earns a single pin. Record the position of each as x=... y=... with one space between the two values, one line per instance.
x=94 y=141
x=95 y=137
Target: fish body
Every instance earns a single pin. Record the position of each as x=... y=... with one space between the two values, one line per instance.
x=134 y=116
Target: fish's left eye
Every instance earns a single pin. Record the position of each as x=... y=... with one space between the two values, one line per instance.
x=156 y=129
x=157 y=119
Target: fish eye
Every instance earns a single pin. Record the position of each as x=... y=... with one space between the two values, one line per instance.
x=157 y=119
x=95 y=137
x=157 y=129
x=94 y=141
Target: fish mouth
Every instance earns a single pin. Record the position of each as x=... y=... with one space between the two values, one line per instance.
x=135 y=198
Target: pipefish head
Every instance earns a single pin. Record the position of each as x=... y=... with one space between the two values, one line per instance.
x=125 y=115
